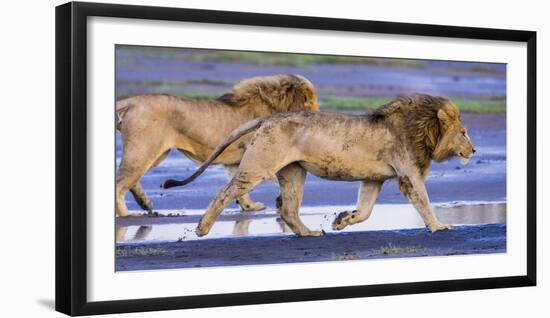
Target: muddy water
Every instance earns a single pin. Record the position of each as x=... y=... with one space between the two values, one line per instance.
x=267 y=223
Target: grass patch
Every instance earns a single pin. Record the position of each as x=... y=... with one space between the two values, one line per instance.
x=479 y=106
x=347 y=256
x=261 y=58
x=365 y=103
x=138 y=251
x=392 y=249
x=480 y=69
x=334 y=102
x=200 y=95
x=358 y=103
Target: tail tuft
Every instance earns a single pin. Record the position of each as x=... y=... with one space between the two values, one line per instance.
x=170 y=183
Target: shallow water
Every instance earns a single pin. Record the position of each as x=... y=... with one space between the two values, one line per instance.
x=267 y=223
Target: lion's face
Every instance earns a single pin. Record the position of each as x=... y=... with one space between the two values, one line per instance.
x=309 y=95
x=312 y=103
x=454 y=140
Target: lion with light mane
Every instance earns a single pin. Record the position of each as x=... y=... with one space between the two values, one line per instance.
x=396 y=141
x=153 y=124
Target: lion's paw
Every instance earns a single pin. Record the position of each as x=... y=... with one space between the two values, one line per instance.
x=256 y=206
x=343 y=219
x=313 y=233
x=202 y=229
x=441 y=227
x=200 y=232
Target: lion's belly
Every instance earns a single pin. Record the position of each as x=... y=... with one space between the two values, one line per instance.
x=352 y=170
x=199 y=152
x=231 y=157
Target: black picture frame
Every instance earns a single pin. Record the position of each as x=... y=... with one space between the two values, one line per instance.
x=71 y=157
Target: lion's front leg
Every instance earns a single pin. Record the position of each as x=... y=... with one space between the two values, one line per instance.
x=368 y=193
x=414 y=188
x=291 y=180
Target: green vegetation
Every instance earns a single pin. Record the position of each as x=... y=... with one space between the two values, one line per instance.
x=347 y=256
x=481 y=69
x=261 y=58
x=199 y=95
x=392 y=249
x=358 y=103
x=497 y=105
x=138 y=251
x=479 y=106
x=334 y=102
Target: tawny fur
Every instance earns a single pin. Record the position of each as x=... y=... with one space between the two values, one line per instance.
x=396 y=141
x=153 y=124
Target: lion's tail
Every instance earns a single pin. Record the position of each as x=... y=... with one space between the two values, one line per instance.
x=233 y=136
x=121 y=108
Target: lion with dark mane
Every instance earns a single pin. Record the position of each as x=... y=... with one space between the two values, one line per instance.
x=396 y=141
x=153 y=124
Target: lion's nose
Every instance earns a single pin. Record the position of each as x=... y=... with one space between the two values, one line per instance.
x=473 y=150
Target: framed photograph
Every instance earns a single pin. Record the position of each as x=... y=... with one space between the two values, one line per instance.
x=209 y=158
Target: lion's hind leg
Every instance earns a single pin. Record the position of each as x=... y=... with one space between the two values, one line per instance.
x=136 y=161
x=368 y=193
x=245 y=201
x=139 y=193
x=242 y=183
x=291 y=180
x=141 y=197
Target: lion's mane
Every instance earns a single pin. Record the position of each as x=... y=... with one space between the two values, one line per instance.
x=415 y=116
x=280 y=93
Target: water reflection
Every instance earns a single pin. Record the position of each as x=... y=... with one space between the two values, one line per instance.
x=241 y=227
x=472 y=214
x=140 y=235
x=384 y=217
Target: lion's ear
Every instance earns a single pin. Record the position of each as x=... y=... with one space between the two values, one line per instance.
x=444 y=118
x=442 y=115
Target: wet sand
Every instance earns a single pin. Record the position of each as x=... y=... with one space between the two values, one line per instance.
x=345 y=246
x=169 y=240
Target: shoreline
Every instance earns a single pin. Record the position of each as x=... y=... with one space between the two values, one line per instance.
x=344 y=246
x=172 y=226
